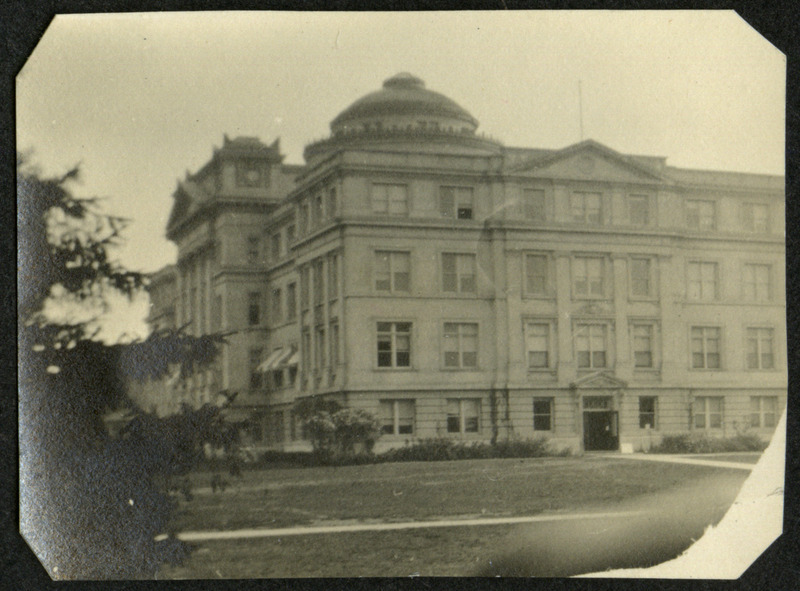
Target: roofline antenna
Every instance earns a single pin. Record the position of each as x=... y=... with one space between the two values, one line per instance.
x=580 y=106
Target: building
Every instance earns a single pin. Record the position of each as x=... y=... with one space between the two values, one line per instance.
x=457 y=287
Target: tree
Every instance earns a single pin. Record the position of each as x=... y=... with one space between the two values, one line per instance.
x=90 y=506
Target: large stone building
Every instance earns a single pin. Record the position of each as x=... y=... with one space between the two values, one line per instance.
x=456 y=287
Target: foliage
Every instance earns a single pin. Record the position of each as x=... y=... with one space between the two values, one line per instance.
x=337 y=435
x=354 y=427
x=426 y=450
x=691 y=443
x=90 y=506
x=441 y=449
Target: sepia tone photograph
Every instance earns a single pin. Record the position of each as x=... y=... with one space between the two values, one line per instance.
x=401 y=295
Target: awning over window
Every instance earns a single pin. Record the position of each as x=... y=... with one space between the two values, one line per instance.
x=284 y=358
x=280 y=358
x=269 y=363
x=294 y=358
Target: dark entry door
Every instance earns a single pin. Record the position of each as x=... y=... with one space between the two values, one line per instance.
x=600 y=430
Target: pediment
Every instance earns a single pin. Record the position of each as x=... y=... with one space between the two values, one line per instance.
x=589 y=161
x=188 y=198
x=599 y=381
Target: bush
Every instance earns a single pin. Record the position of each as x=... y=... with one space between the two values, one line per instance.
x=688 y=443
x=335 y=437
x=354 y=427
x=441 y=449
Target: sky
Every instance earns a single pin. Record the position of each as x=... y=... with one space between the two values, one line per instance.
x=139 y=99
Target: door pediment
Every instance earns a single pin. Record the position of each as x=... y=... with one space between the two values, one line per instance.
x=598 y=381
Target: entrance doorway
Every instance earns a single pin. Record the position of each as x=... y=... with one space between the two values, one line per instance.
x=600 y=424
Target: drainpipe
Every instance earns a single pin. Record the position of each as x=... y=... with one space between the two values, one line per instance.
x=493 y=414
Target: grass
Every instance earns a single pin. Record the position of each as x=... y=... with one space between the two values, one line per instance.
x=414 y=491
x=457 y=551
x=421 y=490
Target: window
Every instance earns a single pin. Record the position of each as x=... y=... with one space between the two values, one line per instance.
x=334 y=336
x=391 y=199
x=755 y=217
x=276 y=245
x=253 y=362
x=455 y=202
x=460 y=345
x=458 y=273
x=319 y=350
x=647 y=412
x=217 y=314
x=302 y=218
x=705 y=347
x=759 y=348
x=463 y=415
x=305 y=286
x=253 y=308
x=542 y=414
x=643 y=345
x=641 y=277
x=533 y=204
x=701 y=215
x=757 y=283
x=319 y=213
x=535 y=274
x=702 y=281
x=590 y=345
x=333 y=276
x=708 y=412
x=195 y=310
x=253 y=248
x=586 y=208
x=291 y=301
x=763 y=411
x=537 y=345
x=588 y=276
x=394 y=344
x=397 y=417
x=277 y=306
x=318 y=287
x=305 y=353
x=277 y=379
x=392 y=271
x=290 y=234
x=639 y=210
x=202 y=310
x=332 y=202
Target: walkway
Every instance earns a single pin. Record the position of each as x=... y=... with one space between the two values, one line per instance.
x=202 y=536
x=680 y=459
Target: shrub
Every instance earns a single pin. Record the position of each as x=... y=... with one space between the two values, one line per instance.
x=354 y=426
x=441 y=449
x=689 y=443
x=334 y=437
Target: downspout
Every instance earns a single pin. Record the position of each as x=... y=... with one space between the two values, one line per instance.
x=493 y=414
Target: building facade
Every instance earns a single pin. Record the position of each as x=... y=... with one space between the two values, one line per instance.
x=457 y=287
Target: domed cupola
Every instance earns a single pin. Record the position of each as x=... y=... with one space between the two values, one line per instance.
x=404 y=103
x=403 y=115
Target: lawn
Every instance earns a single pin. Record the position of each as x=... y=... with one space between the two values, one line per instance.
x=404 y=492
x=421 y=490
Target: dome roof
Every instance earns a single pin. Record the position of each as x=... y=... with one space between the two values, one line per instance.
x=403 y=95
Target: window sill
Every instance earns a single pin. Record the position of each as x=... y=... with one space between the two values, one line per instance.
x=443 y=368
x=401 y=369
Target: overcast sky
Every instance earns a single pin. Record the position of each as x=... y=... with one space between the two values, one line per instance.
x=138 y=99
